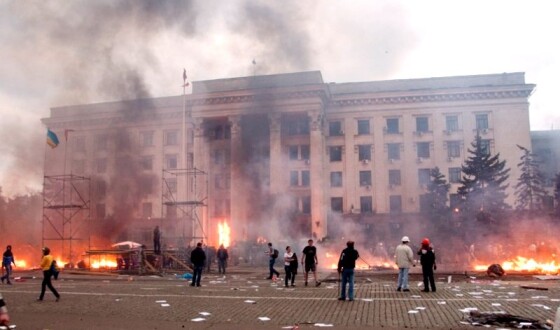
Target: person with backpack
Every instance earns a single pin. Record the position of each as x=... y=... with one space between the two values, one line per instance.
x=7 y=261
x=273 y=254
x=46 y=266
x=223 y=256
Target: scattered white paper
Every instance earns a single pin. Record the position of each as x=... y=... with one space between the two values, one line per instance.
x=554 y=299
x=118 y=299
x=441 y=302
x=204 y=313
x=264 y=318
x=250 y=301
x=364 y=299
x=511 y=299
x=161 y=301
x=496 y=304
x=449 y=279
x=198 y=319
x=415 y=296
x=459 y=294
x=412 y=312
x=165 y=305
x=420 y=284
x=475 y=293
x=539 y=297
x=468 y=309
x=323 y=325
x=420 y=308
x=525 y=324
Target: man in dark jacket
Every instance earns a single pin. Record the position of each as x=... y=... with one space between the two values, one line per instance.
x=428 y=261
x=198 y=257
x=346 y=265
x=7 y=261
x=223 y=256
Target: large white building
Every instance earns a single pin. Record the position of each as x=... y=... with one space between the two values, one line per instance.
x=287 y=150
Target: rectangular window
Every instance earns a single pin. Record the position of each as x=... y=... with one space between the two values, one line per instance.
x=146 y=210
x=101 y=165
x=219 y=156
x=453 y=149
x=305 y=178
x=336 y=204
x=171 y=185
x=80 y=143
x=101 y=189
x=170 y=162
x=394 y=151
x=392 y=126
x=485 y=146
x=363 y=127
x=306 y=205
x=100 y=210
x=482 y=121
x=422 y=124
x=171 y=138
x=366 y=204
x=395 y=204
x=335 y=154
x=424 y=176
x=336 y=179
x=454 y=175
x=293 y=150
x=100 y=142
x=425 y=202
x=454 y=202
x=423 y=149
x=218 y=179
x=147 y=138
x=298 y=126
x=395 y=177
x=146 y=163
x=304 y=149
x=452 y=123
x=364 y=152
x=294 y=178
x=365 y=178
x=335 y=128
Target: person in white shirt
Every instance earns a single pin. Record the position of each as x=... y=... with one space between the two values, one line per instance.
x=290 y=259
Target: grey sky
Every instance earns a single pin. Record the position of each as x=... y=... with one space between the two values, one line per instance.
x=66 y=52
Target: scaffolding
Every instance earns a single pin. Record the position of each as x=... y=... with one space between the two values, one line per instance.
x=66 y=214
x=184 y=197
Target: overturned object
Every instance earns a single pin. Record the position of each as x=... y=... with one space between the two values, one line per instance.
x=505 y=320
x=495 y=270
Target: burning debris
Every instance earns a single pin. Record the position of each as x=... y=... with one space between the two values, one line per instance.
x=495 y=270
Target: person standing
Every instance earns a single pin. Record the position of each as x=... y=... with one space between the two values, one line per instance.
x=309 y=261
x=288 y=268
x=4 y=316
x=46 y=266
x=198 y=257
x=272 y=254
x=428 y=262
x=223 y=256
x=7 y=261
x=346 y=265
x=403 y=259
x=157 y=241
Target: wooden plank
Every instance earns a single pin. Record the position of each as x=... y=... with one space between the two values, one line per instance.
x=174 y=258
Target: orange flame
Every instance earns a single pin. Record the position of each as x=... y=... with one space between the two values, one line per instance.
x=522 y=264
x=104 y=263
x=224 y=234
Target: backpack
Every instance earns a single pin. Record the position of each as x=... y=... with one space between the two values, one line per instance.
x=275 y=254
x=54 y=270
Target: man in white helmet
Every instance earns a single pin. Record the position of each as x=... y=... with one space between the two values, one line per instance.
x=403 y=259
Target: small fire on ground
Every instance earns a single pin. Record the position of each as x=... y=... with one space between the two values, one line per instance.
x=522 y=264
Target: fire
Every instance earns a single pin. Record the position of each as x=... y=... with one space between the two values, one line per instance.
x=522 y=264
x=21 y=263
x=224 y=234
x=104 y=263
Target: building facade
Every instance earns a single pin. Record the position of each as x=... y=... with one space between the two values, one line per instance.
x=287 y=152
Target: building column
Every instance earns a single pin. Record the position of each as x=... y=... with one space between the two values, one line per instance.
x=276 y=164
x=200 y=162
x=318 y=191
x=237 y=195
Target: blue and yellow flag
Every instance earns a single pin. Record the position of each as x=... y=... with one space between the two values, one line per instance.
x=52 y=139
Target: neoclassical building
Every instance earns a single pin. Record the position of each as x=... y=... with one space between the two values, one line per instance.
x=285 y=151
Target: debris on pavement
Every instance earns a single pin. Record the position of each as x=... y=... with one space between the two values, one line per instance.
x=264 y=318
x=533 y=287
x=504 y=320
x=495 y=270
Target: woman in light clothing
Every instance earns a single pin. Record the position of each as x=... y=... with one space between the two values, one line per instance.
x=288 y=268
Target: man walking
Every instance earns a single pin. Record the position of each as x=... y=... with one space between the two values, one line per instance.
x=47 y=267
x=222 y=259
x=309 y=261
x=403 y=259
x=346 y=265
x=7 y=261
x=428 y=262
x=198 y=257
x=273 y=254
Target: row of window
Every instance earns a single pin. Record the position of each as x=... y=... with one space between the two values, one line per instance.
x=392 y=125
x=146 y=139
x=145 y=163
x=365 y=177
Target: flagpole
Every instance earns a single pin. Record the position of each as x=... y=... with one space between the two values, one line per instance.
x=183 y=144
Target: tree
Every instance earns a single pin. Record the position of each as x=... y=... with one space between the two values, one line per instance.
x=483 y=183
x=436 y=198
x=529 y=189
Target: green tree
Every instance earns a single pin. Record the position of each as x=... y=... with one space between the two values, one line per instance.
x=483 y=183
x=436 y=197
x=529 y=189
